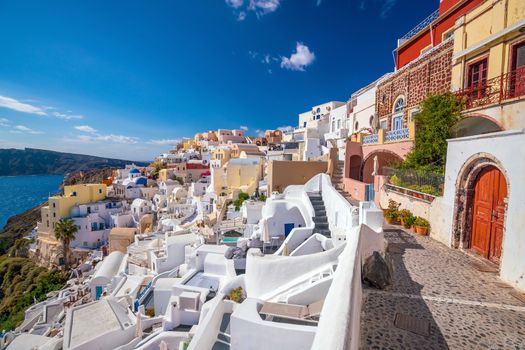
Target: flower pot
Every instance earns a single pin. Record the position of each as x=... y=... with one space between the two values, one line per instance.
x=421 y=230
x=390 y=221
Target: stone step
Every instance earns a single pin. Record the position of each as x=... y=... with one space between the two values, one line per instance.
x=320 y=212
x=325 y=233
x=320 y=219
x=321 y=226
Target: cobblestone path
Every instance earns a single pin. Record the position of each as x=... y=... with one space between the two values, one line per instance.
x=452 y=305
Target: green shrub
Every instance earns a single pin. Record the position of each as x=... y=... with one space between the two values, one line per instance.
x=409 y=221
x=237 y=295
x=429 y=189
x=421 y=222
x=394 y=180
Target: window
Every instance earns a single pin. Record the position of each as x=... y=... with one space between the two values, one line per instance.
x=413 y=114
x=397 y=116
x=356 y=126
x=477 y=78
x=426 y=49
x=339 y=124
x=517 y=78
x=448 y=34
x=54 y=205
x=318 y=110
x=333 y=125
x=382 y=124
x=99 y=190
x=304 y=125
x=371 y=121
x=399 y=105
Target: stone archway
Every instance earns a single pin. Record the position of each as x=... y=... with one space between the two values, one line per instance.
x=384 y=159
x=465 y=196
x=475 y=124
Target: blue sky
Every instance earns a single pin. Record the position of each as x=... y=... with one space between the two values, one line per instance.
x=127 y=78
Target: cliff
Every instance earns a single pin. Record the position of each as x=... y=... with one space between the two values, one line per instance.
x=30 y=161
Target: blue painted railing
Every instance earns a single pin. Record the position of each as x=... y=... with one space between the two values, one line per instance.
x=396 y=135
x=370 y=139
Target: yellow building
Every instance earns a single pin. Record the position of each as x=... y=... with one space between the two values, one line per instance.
x=220 y=156
x=59 y=207
x=489 y=66
x=237 y=175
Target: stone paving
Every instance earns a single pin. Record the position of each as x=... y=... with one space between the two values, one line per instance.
x=466 y=308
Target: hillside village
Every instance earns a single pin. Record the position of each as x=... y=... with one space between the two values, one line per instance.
x=345 y=231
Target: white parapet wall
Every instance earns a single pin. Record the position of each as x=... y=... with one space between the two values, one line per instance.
x=339 y=325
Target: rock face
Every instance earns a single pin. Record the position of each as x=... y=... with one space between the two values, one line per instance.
x=377 y=272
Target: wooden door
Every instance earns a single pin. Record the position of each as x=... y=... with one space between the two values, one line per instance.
x=490 y=192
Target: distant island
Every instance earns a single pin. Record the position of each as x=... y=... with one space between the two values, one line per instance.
x=31 y=161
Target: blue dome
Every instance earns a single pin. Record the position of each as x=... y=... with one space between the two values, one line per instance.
x=134 y=171
x=142 y=181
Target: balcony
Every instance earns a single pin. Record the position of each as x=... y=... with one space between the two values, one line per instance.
x=397 y=135
x=384 y=136
x=337 y=134
x=494 y=91
x=414 y=31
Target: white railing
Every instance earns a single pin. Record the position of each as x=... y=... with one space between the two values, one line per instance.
x=423 y=24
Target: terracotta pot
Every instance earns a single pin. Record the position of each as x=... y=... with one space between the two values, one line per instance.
x=390 y=221
x=422 y=231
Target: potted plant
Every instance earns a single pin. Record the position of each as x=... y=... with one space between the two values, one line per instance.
x=421 y=225
x=409 y=223
x=392 y=213
x=404 y=215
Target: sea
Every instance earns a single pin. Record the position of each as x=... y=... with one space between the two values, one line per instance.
x=20 y=193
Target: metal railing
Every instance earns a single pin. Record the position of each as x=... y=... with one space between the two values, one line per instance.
x=423 y=24
x=396 y=135
x=495 y=90
x=416 y=180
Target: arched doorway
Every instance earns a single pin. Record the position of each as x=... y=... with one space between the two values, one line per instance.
x=488 y=216
x=355 y=167
x=480 y=206
x=384 y=159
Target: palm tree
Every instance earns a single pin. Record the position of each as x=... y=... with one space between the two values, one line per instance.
x=65 y=231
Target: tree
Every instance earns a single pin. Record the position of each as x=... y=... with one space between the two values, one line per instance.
x=238 y=202
x=65 y=231
x=438 y=114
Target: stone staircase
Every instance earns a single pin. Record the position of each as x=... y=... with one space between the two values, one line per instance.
x=337 y=182
x=320 y=218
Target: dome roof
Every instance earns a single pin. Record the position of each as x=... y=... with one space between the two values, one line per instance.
x=134 y=171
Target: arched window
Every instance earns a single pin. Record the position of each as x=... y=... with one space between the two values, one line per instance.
x=399 y=105
x=397 y=116
x=371 y=121
x=356 y=126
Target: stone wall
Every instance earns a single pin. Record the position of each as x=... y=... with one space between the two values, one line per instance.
x=430 y=74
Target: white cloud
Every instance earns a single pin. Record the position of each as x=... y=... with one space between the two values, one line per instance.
x=25 y=129
x=259 y=133
x=234 y=3
x=165 y=142
x=4 y=122
x=241 y=16
x=319 y=2
x=243 y=127
x=67 y=116
x=86 y=128
x=108 y=138
x=263 y=6
x=300 y=59
x=285 y=128
x=387 y=6
x=259 y=7
x=11 y=103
